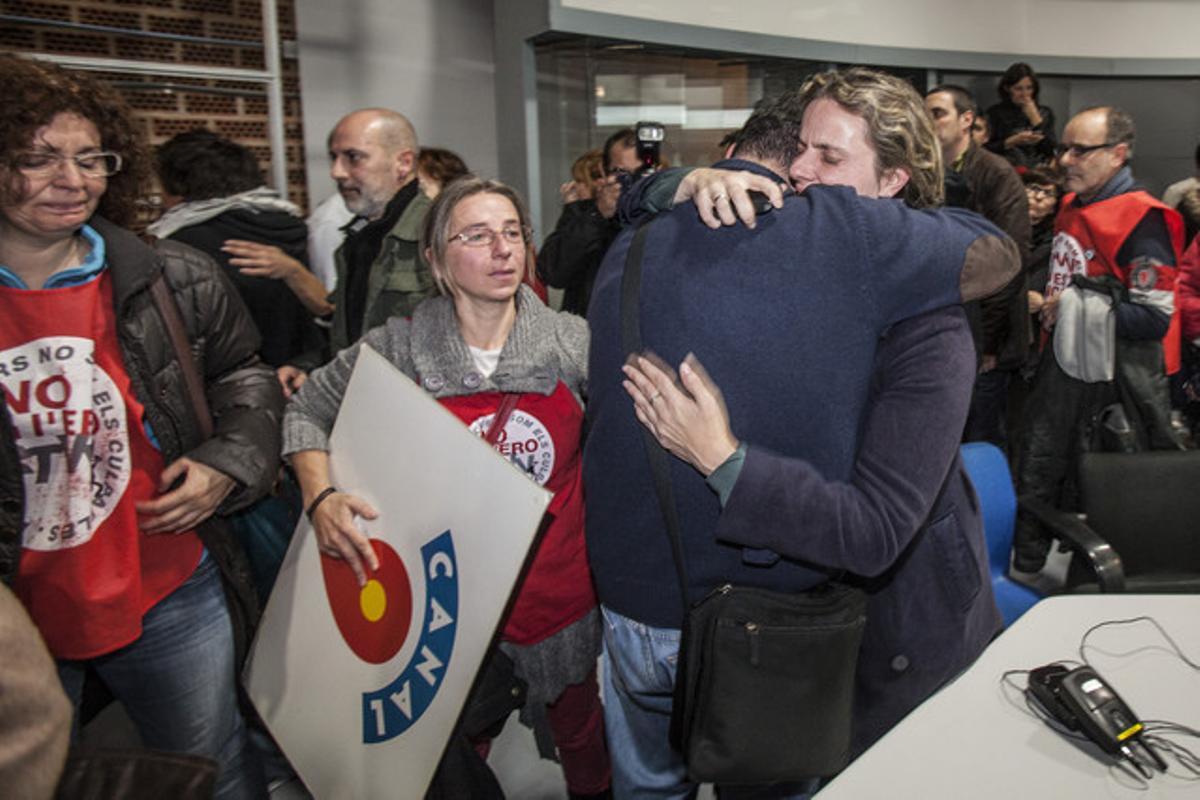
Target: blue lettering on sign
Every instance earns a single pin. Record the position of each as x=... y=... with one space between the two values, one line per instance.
x=390 y=711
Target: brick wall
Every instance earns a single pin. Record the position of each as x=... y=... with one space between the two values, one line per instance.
x=167 y=106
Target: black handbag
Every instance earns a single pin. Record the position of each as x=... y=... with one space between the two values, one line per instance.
x=764 y=685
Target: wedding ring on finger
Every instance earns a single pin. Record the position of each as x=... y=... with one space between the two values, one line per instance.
x=655 y=396
x=718 y=197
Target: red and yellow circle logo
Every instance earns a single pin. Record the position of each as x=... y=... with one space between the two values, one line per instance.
x=373 y=619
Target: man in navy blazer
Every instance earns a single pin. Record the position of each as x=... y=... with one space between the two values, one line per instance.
x=834 y=331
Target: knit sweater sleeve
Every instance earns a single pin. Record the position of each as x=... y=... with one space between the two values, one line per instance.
x=572 y=336
x=312 y=411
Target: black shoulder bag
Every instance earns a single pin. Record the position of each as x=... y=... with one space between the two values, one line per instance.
x=764 y=687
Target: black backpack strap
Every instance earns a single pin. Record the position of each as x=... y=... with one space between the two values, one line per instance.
x=631 y=341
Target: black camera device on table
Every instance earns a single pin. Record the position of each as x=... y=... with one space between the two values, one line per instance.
x=1081 y=700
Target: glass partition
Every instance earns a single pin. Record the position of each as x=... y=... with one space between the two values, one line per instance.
x=587 y=88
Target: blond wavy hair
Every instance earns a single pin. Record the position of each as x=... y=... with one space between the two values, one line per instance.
x=897 y=125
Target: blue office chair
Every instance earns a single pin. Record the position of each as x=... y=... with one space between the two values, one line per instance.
x=988 y=469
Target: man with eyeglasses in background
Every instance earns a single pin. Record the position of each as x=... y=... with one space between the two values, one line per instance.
x=1116 y=245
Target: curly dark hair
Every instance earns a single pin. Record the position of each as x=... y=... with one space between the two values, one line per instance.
x=34 y=93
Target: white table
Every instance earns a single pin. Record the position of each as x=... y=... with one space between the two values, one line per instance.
x=976 y=739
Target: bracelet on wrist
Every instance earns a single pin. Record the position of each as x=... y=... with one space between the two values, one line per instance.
x=328 y=490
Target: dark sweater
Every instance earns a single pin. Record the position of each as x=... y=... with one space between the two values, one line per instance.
x=286 y=327
x=1005 y=119
x=786 y=318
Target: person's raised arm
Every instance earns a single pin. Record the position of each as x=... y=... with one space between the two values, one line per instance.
x=721 y=196
x=268 y=261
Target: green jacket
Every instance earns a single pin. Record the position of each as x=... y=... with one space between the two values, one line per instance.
x=399 y=279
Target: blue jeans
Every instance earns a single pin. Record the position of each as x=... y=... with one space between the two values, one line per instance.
x=639 y=678
x=177 y=682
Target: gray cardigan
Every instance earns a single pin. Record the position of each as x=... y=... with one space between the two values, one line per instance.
x=544 y=347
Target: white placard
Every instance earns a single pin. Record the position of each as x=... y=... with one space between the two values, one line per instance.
x=460 y=520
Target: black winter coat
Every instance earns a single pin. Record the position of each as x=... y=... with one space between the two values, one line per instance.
x=243 y=395
x=285 y=325
x=572 y=253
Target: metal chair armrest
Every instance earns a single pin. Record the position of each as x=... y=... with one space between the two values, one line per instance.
x=1100 y=555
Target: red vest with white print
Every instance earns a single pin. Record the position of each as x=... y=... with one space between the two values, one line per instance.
x=541 y=438
x=87 y=574
x=1087 y=240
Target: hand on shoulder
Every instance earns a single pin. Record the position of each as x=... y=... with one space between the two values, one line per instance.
x=722 y=196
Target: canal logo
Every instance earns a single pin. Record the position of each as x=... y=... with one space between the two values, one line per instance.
x=375 y=620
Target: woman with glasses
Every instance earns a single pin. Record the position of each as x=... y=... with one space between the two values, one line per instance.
x=487 y=347
x=108 y=484
x=1021 y=130
x=1043 y=188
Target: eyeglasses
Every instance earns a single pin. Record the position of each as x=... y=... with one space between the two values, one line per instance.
x=1079 y=150
x=39 y=163
x=486 y=237
x=1042 y=191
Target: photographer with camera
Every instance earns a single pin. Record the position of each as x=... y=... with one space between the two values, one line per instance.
x=571 y=255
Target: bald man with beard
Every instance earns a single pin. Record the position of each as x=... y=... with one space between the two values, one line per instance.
x=380 y=272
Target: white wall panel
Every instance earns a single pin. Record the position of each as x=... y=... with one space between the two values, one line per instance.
x=431 y=60
x=1068 y=28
